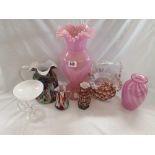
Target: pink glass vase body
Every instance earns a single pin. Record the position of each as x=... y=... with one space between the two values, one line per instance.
x=134 y=91
x=75 y=61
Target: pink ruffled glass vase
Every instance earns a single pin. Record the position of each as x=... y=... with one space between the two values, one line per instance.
x=75 y=61
x=134 y=91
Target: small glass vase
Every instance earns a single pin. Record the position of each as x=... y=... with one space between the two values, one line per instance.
x=134 y=91
x=62 y=98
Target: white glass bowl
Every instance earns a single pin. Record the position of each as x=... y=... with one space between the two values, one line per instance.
x=26 y=91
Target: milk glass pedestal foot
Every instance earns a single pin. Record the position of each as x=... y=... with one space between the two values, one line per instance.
x=26 y=92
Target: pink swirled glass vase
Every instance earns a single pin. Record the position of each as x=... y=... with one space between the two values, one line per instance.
x=75 y=61
x=134 y=91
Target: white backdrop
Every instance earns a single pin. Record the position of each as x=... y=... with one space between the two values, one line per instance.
x=25 y=41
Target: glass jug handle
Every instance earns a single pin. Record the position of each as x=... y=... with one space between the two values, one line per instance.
x=119 y=77
x=26 y=68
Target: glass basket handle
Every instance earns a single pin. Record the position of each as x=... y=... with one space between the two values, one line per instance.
x=119 y=77
x=21 y=71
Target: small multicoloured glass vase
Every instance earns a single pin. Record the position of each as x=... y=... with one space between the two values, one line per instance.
x=134 y=91
x=62 y=98
x=84 y=96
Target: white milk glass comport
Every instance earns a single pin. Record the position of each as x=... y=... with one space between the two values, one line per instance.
x=26 y=91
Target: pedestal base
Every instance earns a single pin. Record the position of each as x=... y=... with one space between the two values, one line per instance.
x=73 y=91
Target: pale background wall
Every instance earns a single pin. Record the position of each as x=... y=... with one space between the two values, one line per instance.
x=23 y=41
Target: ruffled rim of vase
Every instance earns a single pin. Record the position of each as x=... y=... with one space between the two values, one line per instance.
x=74 y=33
x=139 y=78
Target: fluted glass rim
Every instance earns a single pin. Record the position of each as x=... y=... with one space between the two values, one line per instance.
x=139 y=78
